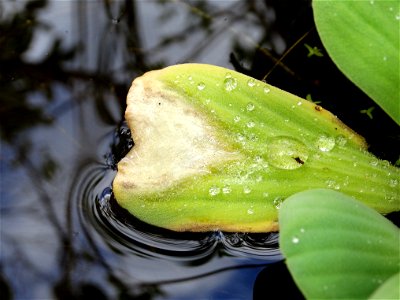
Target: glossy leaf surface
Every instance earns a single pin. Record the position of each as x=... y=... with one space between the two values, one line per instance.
x=362 y=38
x=335 y=246
x=218 y=150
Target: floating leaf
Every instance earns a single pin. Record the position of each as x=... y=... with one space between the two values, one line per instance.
x=335 y=246
x=215 y=149
x=362 y=38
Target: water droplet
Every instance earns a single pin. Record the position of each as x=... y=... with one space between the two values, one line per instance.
x=226 y=189
x=341 y=140
x=236 y=119
x=250 y=106
x=295 y=240
x=286 y=153
x=299 y=103
x=246 y=190
x=230 y=83
x=393 y=182
x=214 y=190
x=266 y=90
x=325 y=143
x=201 y=86
x=251 y=82
x=389 y=198
x=302 y=230
x=374 y=163
x=258 y=159
x=265 y=195
x=250 y=211
x=250 y=124
x=330 y=183
x=385 y=58
x=398 y=17
x=278 y=202
x=240 y=138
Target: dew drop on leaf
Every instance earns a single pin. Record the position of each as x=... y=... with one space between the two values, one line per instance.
x=250 y=211
x=295 y=240
x=286 y=153
x=246 y=190
x=325 y=143
x=226 y=189
x=393 y=182
x=250 y=124
x=251 y=82
x=250 y=106
x=214 y=190
x=278 y=202
x=201 y=86
x=230 y=83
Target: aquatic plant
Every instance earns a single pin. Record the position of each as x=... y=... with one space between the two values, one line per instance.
x=335 y=247
x=218 y=150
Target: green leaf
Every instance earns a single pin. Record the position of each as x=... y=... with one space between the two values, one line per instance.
x=215 y=149
x=362 y=38
x=335 y=246
x=389 y=289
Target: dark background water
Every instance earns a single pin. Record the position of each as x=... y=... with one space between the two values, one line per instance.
x=65 y=69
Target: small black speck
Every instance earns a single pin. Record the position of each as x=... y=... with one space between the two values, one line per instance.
x=299 y=160
x=159 y=103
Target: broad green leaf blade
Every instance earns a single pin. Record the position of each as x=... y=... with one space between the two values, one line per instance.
x=335 y=246
x=390 y=289
x=362 y=38
x=215 y=149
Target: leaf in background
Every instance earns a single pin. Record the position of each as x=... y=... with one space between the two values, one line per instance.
x=389 y=289
x=335 y=246
x=215 y=149
x=362 y=38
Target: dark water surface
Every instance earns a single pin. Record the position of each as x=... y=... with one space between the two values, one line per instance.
x=65 y=70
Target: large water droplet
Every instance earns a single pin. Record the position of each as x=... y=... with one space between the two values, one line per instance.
x=230 y=83
x=295 y=240
x=236 y=119
x=325 y=143
x=286 y=153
